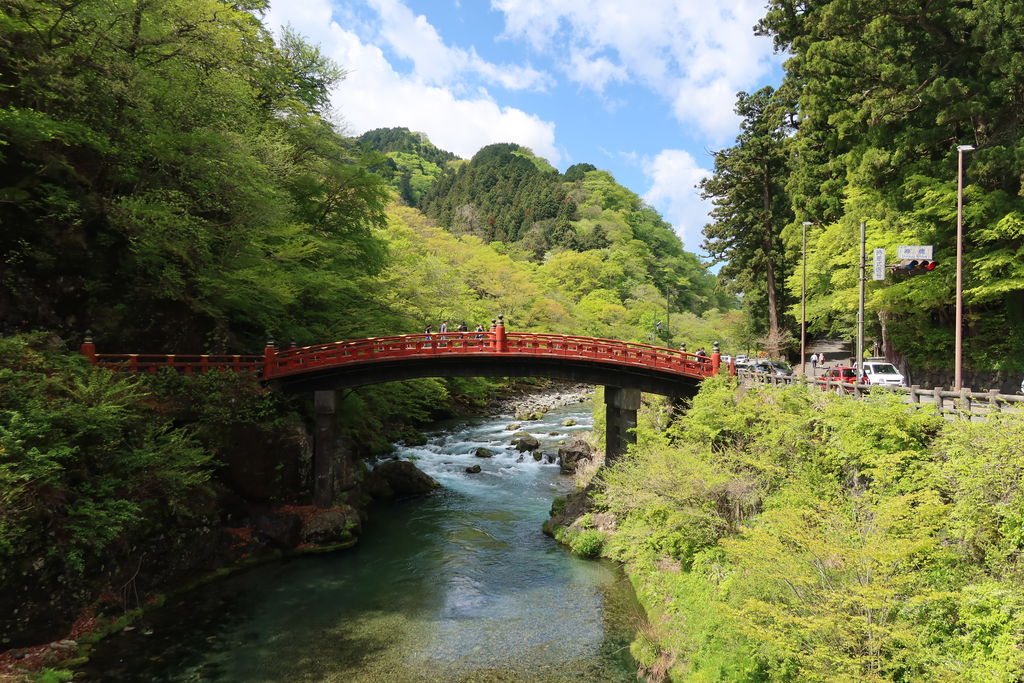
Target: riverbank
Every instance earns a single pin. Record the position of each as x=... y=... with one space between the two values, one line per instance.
x=240 y=536
x=522 y=399
x=457 y=585
x=778 y=533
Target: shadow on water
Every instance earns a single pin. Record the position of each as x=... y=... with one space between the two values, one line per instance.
x=457 y=586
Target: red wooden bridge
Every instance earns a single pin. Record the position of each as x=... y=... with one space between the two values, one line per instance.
x=294 y=363
x=624 y=368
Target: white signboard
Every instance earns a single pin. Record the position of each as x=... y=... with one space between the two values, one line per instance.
x=915 y=251
x=879 y=264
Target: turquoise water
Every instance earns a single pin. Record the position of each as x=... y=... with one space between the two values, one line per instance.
x=457 y=586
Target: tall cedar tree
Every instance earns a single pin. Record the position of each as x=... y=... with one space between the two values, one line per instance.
x=751 y=205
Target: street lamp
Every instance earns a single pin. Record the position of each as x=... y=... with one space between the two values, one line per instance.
x=959 y=333
x=803 y=302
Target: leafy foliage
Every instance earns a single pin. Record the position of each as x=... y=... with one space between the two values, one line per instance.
x=83 y=457
x=883 y=95
x=751 y=207
x=781 y=534
x=169 y=174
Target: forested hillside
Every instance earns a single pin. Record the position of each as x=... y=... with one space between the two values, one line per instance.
x=780 y=534
x=411 y=163
x=171 y=179
x=170 y=182
x=865 y=127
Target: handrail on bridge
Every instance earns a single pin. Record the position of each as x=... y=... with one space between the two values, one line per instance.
x=276 y=363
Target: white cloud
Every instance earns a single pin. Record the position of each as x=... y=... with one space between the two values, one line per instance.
x=375 y=95
x=414 y=38
x=674 y=174
x=696 y=55
x=595 y=73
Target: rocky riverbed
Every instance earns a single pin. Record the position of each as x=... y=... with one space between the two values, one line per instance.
x=531 y=402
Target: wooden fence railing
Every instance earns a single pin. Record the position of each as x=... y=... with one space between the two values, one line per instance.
x=947 y=402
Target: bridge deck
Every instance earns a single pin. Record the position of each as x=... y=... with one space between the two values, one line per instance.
x=293 y=362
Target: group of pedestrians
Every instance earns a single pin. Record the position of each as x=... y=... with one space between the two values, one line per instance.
x=443 y=329
x=702 y=355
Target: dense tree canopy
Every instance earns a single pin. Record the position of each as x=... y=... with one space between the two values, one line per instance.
x=884 y=93
x=167 y=174
x=788 y=535
x=751 y=207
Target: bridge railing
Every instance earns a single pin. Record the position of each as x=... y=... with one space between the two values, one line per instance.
x=629 y=353
x=295 y=360
x=185 y=363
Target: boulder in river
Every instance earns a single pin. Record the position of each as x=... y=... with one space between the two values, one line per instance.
x=537 y=455
x=569 y=422
x=570 y=455
x=414 y=438
x=524 y=441
x=333 y=525
x=482 y=452
x=473 y=469
x=512 y=426
x=397 y=479
x=280 y=530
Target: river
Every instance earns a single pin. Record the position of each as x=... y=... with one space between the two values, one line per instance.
x=459 y=585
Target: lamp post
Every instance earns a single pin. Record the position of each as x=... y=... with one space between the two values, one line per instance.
x=862 y=277
x=958 y=359
x=803 y=301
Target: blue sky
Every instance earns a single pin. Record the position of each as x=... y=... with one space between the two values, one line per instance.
x=641 y=88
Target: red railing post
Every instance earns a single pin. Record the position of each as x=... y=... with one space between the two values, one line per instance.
x=269 y=356
x=88 y=347
x=500 y=340
x=716 y=359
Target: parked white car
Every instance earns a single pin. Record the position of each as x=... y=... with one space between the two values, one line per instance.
x=883 y=373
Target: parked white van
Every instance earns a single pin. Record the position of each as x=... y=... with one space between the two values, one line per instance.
x=883 y=373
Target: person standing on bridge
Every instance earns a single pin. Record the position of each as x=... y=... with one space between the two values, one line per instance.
x=463 y=327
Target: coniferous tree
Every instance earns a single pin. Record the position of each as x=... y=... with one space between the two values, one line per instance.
x=751 y=206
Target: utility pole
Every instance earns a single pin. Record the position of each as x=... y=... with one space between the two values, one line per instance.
x=958 y=358
x=860 y=298
x=803 y=303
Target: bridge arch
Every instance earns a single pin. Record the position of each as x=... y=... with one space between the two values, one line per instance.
x=625 y=369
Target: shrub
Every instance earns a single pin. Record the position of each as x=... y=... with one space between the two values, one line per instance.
x=83 y=456
x=588 y=543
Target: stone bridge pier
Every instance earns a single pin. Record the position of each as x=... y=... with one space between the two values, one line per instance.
x=333 y=467
x=620 y=419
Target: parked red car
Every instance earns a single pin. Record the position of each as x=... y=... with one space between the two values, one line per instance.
x=842 y=373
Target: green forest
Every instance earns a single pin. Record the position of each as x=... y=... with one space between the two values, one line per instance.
x=865 y=126
x=780 y=534
x=173 y=179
